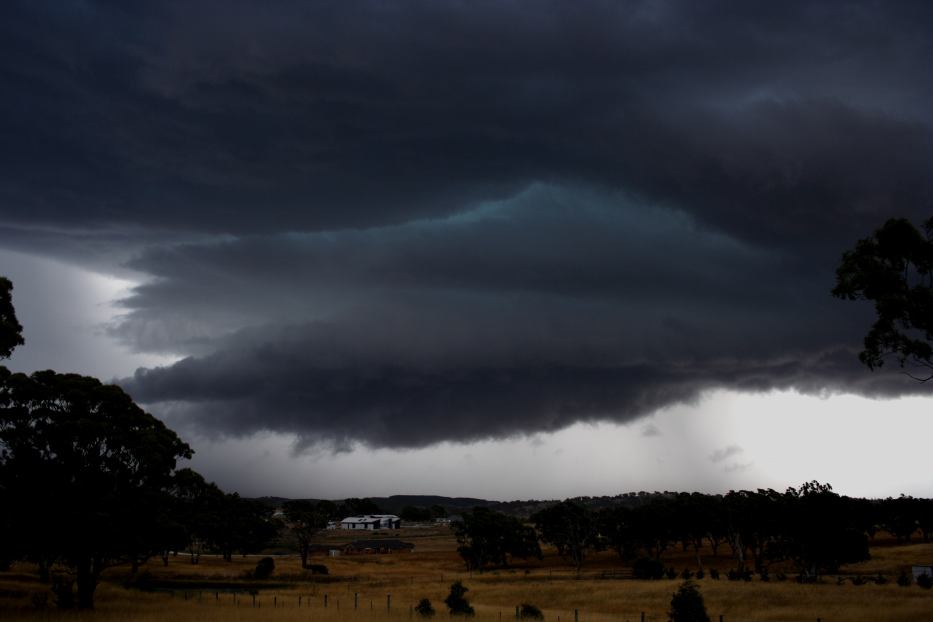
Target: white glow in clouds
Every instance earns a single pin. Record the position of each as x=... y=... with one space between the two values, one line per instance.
x=727 y=441
x=64 y=311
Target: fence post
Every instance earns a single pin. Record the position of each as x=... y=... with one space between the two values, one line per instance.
x=356 y=597
x=642 y=616
x=516 y=612
x=388 y=603
x=325 y=601
x=275 y=602
x=299 y=601
x=576 y=615
x=254 y=600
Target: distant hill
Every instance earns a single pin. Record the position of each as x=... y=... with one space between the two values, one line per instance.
x=522 y=509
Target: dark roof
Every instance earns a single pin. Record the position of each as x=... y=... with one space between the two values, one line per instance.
x=381 y=544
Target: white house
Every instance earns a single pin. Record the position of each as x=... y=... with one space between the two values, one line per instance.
x=371 y=522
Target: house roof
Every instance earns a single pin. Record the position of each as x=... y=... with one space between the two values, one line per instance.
x=370 y=518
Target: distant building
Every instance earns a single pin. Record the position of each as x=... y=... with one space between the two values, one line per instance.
x=920 y=570
x=371 y=522
x=377 y=546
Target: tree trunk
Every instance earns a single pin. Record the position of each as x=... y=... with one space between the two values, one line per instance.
x=44 y=570
x=304 y=555
x=86 y=581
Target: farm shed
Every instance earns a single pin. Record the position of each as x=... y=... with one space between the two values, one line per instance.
x=378 y=546
x=371 y=522
x=919 y=570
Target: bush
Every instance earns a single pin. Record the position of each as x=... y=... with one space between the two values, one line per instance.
x=264 y=568
x=670 y=573
x=647 y=568
x=700 y=574
x=714 y=573
x=686 y=574
x=764 y=576
x=456 y=602
x=425 y=609
x=530 y=612
x=880 y=579
x=780 y=576
x=687 y=604
x=903 y=580
x=925 y=581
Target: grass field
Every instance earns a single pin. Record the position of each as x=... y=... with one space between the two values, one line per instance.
x=385 y=587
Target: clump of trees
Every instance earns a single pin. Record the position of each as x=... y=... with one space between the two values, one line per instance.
x=89 y=480
x=487 y=538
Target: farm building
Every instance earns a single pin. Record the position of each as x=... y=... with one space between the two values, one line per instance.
x=377 y=546
x=372 y=522
x=921 y=570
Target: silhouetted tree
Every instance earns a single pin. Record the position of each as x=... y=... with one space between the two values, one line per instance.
x=86 y=469
x=425 y=609
x=687 y=604
x=894 y=269
x=818 y=533
x=456 y=601
x=305 y=519
x=490 y=538
x=570 y=527
x=196 y=506
x=241 y=525
x=11 y=332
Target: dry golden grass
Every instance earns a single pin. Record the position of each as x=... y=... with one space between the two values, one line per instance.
x=429 y=571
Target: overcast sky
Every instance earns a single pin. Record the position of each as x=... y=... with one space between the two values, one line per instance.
x=500 y=249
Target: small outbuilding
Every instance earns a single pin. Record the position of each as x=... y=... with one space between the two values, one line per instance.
x=927 y=570
x=377 y=546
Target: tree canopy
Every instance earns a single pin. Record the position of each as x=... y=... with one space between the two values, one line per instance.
x=894 y=269
x=489 y=538
x=86 y=470
x=11 y=332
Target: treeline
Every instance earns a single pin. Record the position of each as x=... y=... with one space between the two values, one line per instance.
x=812 y=527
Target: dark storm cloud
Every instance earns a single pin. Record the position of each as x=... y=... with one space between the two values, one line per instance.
x=411 y=222
x=228 y=117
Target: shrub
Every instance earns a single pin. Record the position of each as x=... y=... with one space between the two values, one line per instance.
x=647 y=568
x=425 y=609
x=456 y=603
x=530 y=612
x=764 y=576
x=687 y=604
x=780 y=576
x=714 y=573
x=903 y=580
x=700 y=574
x=264 y=568
x=858 y=580
x=670 y=573
x=925 y=581
x=880 y=579
x=686 y=574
